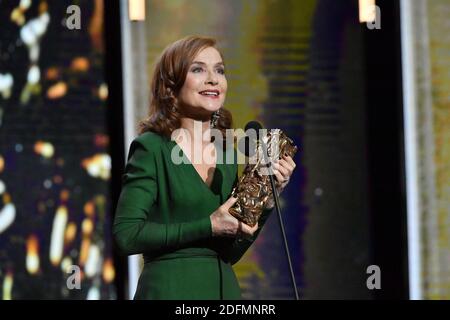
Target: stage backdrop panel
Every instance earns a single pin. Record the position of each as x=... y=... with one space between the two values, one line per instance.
x=427 y=107
x=55 y=204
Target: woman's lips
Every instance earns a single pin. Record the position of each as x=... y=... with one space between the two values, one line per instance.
x=211 y=97
x=212 y=94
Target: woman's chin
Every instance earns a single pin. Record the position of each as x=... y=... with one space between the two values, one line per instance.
x=210 y=108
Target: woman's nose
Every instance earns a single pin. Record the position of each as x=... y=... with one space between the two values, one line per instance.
x=211 y=79
x=213 y=82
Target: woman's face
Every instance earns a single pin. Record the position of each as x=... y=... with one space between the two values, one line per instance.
x=205 y=87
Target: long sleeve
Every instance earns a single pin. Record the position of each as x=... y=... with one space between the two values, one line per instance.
x=133 y=229
x=235 y=249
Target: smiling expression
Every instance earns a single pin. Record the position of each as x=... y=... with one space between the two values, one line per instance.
x=205 y=86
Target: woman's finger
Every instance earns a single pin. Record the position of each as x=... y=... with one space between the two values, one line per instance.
x=247 y=230
x=279 y=177
x=287 y=165
x=229 y=203
x=284 y=169
x=290 y=161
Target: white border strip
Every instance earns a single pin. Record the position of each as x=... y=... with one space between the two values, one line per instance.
x=411 y=153
x=129 y=120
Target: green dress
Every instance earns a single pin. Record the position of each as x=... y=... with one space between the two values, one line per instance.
x=164 y=213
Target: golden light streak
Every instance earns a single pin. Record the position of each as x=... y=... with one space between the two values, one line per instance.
x=64 y=195
x=17 y=16
x=32 y=260
x=103 y=91
x=98 y=166
x=8 y=282
x=109 y=272
x=367 y=12
x=43 y=7
x=6 y=198
x=85 y=244
x=80 y=64
x=89 y=209
x=87 y=227
x=65 y=264
x=56 y=91
x=52 y=73
x=44 y=149
x=92 y=263
x=136 y=10
x=70 y=234
x=57 y=237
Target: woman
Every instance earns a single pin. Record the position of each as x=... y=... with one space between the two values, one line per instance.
x=176 y=215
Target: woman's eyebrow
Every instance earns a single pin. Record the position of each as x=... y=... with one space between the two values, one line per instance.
x=202 y=63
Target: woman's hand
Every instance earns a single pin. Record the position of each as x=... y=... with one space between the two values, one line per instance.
x=283 y=170
x=225 y=225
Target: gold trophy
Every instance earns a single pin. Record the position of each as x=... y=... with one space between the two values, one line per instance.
x=253 y=189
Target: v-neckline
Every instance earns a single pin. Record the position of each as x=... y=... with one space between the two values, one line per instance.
x=189 y=163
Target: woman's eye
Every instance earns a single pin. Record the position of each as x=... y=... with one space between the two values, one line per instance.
x=196 y=69
x=221 y=71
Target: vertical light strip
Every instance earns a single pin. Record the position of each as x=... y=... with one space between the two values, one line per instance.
x=411 y=153
x=136 y=10
x=367 y=12
x=129 y=119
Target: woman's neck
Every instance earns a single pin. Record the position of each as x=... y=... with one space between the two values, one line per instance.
x=197 y=130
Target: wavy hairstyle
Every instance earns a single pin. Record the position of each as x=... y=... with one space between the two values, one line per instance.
x=168 y=79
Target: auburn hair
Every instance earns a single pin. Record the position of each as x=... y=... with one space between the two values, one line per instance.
x=168 y=78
